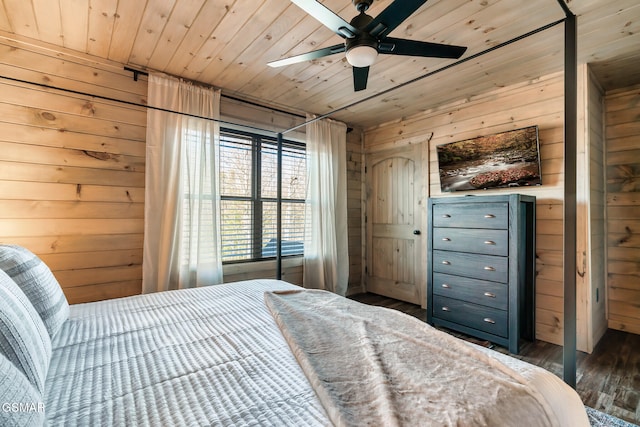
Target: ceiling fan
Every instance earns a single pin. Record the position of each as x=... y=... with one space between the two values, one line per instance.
x=366 y=37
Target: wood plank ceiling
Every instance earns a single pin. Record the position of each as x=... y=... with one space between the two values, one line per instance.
x=227 y=43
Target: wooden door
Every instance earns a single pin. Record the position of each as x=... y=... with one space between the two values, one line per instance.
x=395 y=204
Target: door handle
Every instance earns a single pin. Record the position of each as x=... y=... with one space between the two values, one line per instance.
x=416 y=232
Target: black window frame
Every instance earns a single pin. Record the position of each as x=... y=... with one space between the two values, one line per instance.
x=257 y=202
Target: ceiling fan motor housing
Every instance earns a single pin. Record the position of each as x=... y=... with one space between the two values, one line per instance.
x=361 y=21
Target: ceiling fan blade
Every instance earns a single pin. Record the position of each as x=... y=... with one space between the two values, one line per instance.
x=315 y=54
x=360 y=76
x=327 y=18
x=392 y=16
x=393 y=46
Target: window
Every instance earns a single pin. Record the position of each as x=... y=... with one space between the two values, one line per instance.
x=248 y=171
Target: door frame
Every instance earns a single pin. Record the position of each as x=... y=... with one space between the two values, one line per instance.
x=421 y=188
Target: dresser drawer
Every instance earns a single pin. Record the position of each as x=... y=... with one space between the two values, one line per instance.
x=485 y=267
x=471 y=215
x=475 y=316
x=480 y=292
x=476 y=240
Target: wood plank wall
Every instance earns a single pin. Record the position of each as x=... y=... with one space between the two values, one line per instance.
x=596 y=253
x=538 y=102
x=72 y=170
x=591 y=319
x=355 y=200
x=623 y=208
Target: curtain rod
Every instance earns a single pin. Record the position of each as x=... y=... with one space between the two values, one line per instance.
x=439 y=70
x=137 y=73
x=136 y=104
x=255 y=104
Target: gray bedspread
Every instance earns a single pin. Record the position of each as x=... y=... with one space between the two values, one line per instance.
x=215 y=356
x=378 y=367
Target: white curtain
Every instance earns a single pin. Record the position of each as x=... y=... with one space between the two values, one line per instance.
x=326 y=255
x=182 y=208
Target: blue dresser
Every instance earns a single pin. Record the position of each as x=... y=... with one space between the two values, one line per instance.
x=481 y=266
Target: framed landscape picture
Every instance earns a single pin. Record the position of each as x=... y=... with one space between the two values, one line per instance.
x=502 y=160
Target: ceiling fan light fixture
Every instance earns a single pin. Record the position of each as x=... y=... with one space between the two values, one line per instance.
x=362 y=56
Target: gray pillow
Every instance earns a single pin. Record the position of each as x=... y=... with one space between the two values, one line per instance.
x=23 y=337
x=38 y=283
x=20 y=403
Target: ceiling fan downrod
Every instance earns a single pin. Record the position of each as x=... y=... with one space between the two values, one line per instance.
x=362 y=5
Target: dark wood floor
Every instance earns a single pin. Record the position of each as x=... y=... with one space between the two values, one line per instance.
x=607 y=379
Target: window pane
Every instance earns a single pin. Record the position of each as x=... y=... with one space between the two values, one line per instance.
x=269 y=171
x=294 y=174
x=293 y=171
x=236 y=230
x=269 y=231
x=292 y=228
x=235 y=165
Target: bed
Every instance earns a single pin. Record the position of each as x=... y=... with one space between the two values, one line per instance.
x=219 y=355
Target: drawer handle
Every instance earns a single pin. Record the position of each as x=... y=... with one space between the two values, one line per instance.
x=489 y=216
x=489 y=294
x=489 y=242
x=489 y=268
x=446 y=309
x=446 y=239
x=446 y=216
x=488 y=320
x=446 y=262
x=446 y=286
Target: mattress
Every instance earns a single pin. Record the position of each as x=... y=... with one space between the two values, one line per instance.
x=206 y=356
